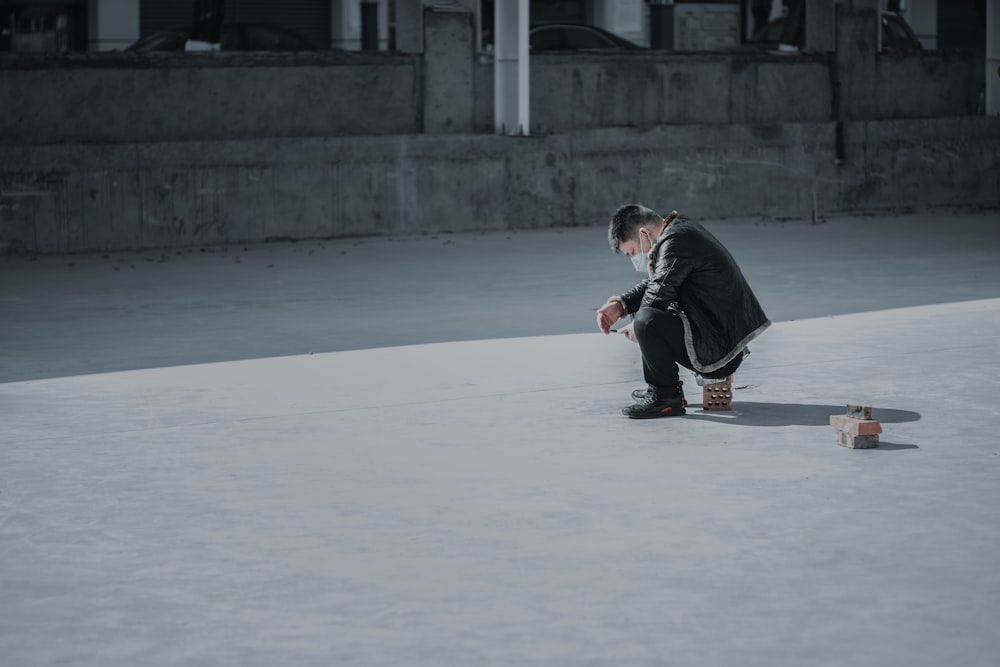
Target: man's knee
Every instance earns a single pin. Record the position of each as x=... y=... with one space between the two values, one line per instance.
x=645 y=321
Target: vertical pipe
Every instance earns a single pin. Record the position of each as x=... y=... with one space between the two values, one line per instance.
x=523 y=80
x=992 y=88
x=369 y=26
x=510 y=68
x=392 y=25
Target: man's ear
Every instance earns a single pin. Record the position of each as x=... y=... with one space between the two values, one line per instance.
x=670 y=216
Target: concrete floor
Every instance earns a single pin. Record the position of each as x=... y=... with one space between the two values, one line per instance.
x=77 y=314
x=174 y=493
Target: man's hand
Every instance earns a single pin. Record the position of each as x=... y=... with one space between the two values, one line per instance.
x=628 y=333
x=608 y=314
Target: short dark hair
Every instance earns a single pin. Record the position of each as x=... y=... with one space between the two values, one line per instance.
x=626 y=222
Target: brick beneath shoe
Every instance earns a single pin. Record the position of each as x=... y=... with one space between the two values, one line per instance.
x=653 y=406
x=640 y=395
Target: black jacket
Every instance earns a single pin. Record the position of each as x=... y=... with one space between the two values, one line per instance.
x=694 y=275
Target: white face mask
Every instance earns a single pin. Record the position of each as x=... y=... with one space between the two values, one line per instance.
x=640 y=260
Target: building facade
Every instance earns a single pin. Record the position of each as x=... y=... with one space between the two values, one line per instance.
x=103 y=25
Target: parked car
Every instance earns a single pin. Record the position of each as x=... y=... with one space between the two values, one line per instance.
x=575 y=37
x=896 y=34
x=235 y=37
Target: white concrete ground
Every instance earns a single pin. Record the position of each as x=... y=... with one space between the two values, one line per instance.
x=482 y=502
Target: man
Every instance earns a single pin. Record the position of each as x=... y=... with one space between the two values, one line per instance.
x=693 y=308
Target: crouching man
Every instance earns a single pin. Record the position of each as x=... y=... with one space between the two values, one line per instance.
x=693 y=308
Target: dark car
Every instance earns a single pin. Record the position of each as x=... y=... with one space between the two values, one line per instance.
x=575 y=37
x=896 y=34
x=235 y=37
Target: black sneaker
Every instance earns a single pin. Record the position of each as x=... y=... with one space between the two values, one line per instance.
x=639 y=395
x=653 y=405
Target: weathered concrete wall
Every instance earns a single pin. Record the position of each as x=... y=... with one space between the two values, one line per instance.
x=911 y=164
x=101 y=197
x=903 y=84
x=449 y=82
x=122 y=98
x=642 y=90
x=855 y=92
x=911 y=85
x=115 y=151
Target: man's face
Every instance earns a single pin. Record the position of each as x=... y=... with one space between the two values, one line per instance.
x=636 y=245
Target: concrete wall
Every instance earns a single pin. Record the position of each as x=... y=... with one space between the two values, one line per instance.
x=449 y=81
x=946 y=84
x=653 y=89
x=101 y=197
x=123 y=98
x=912 y=164
x=126 y=98
x=114 y=151
x=870 y=85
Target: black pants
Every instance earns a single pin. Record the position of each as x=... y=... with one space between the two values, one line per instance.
x=661 y=339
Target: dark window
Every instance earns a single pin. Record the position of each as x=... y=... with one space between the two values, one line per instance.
x=166 y=40
x=558 y=11
x=229 y=37
x=263 y=38
x=548 y=39
x=581 y=38
x=309 y=18
x=771 y=32
x=897 y=35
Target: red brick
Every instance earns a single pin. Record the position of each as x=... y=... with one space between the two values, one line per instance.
x=859 y=411
x=718 y=396
x=855 y=427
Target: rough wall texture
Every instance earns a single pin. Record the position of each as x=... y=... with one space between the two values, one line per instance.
x=855 y=63
x=914 y=86
x=101 y=197
x=645 y=90
x=114 y=151
x=911 y=164
x=120 y=98
x=449 y=82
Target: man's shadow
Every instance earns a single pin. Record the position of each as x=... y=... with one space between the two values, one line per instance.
x=749 y=413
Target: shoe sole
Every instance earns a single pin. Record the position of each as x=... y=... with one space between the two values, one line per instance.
x=672 y=412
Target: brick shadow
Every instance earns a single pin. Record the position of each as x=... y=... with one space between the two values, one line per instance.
x=750 y=413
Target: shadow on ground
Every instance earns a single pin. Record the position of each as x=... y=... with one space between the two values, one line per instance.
x=889 y=446
x=748 y=413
